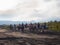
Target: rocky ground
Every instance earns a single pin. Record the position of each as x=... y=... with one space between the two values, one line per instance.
x=40 y=41
x=19 y=38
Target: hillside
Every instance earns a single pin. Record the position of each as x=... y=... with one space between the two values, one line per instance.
x=55 y=26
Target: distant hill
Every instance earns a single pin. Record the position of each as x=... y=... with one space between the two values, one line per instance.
x=15 y=22
x=12 y=22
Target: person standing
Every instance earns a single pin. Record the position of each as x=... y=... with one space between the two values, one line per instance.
x=14 y=27
x=22 y=27
x=11 y=27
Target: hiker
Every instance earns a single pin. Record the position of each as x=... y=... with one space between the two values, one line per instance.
x=22 y=27
x=43 y=27
x=38 y=25
x=11 y=27
x=34 y=27
x=25 y=25
x=14 y=27
x=18 y=28
x=30 y=27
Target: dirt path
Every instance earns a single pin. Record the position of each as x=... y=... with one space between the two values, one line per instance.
x=18 y=34
x=29 y=35
x=3 y=30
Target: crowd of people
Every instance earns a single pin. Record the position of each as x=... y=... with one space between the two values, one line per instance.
x=30 y=27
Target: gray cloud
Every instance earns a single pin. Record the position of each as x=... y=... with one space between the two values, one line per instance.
x=42 y=10
x=6 y=15
x=47 y=0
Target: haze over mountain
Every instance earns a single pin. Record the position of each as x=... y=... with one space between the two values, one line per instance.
x=15 y=22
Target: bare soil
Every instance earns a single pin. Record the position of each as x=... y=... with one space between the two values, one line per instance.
x=30 y=38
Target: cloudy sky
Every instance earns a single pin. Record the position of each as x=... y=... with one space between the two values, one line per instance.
x=29 y=10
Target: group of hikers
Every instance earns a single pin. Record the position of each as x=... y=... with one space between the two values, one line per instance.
x=29 y=27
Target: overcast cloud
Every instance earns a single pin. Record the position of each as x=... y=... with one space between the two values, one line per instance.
x=28 y=10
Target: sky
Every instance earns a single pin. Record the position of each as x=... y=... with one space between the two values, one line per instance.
x=29 y=10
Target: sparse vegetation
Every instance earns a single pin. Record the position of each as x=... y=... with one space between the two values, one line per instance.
x=4 y=26
x=55 y=26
